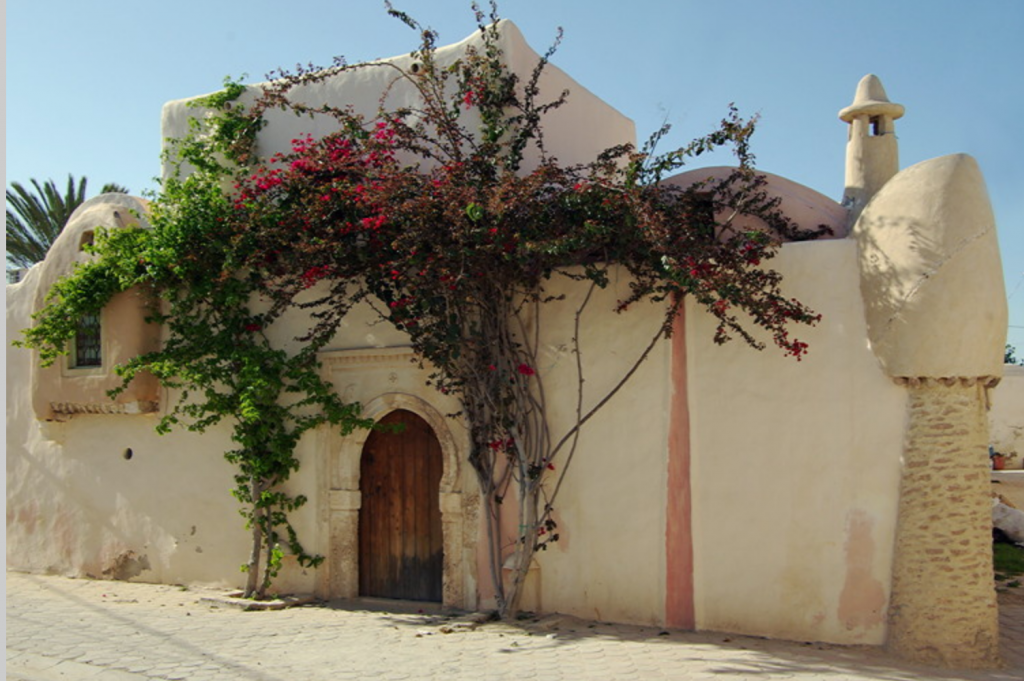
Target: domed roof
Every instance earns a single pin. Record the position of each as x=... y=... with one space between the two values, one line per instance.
x=807 y=208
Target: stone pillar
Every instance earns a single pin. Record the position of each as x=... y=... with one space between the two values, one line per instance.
x=343 y=553
x=935 y=307
x=943 y=608
x=453 y=588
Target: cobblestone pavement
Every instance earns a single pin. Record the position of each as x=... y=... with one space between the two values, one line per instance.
x=61 y=628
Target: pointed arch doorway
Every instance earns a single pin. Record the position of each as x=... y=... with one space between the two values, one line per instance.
x=401 y=553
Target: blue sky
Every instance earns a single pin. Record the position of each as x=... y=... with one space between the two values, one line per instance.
x=86 y=81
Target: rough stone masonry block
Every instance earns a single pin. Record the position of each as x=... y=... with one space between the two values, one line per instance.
x=944 y=609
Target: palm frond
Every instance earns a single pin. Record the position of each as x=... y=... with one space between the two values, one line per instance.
x=36 y=215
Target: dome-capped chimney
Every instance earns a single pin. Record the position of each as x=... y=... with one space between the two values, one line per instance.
x=872 y=153
x=871 y=100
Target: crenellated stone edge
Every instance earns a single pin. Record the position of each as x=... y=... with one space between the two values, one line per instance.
x=948 y=381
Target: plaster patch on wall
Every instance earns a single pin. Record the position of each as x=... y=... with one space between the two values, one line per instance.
x=126 y=566
x=64 y=532
x=27 y=516
x=862 y=601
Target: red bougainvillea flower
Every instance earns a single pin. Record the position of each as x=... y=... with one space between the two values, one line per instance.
x=314 y=274
x=797 y=349
x=525 y=370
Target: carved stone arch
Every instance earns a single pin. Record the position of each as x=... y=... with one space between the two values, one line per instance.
x=340 y=579
x=381 y=406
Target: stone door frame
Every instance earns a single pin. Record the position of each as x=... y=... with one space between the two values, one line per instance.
x=341 y=498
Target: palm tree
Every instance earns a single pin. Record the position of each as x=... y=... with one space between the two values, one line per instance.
x=35 y=218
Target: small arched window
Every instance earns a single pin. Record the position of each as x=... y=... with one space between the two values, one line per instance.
x=88 y=238
x=88 y=348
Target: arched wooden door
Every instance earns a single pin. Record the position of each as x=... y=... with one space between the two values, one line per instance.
x=400 y=541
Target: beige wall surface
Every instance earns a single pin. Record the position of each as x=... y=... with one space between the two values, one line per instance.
x=796 y=468
x=77 y=506
x=609 y=561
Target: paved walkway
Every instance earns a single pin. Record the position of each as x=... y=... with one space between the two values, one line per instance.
x=116 y=631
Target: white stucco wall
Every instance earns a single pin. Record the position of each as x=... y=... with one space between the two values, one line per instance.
x=796 y=468
x=574 y=133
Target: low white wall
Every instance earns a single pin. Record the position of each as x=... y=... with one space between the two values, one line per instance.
x=1006 y=416
x=796 y=467
x=76 y=506
x=794 y=475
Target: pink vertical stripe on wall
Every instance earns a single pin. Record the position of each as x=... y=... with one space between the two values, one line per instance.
x=678 y=530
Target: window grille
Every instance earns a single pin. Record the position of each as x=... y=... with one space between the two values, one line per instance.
x=88 y=349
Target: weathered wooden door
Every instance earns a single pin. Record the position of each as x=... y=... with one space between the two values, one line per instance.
x=400 y=542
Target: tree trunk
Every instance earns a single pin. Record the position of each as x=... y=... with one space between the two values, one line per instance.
x=253 y=566
x=525 y=550
x=492 y=514
x=268 y=567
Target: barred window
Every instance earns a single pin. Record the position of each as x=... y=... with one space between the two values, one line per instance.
x=88 y=349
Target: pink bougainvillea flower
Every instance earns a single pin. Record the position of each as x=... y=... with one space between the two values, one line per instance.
x=525 y=370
